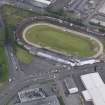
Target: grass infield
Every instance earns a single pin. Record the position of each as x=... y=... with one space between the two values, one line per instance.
x=23 y=56
x=60 y=40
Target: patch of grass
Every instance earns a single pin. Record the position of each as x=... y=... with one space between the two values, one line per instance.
x=60 y=40
x=3 y=60
x=2 y=35
x=23 y=56
x=61 y=100
x=12 y=17
x=3 y=65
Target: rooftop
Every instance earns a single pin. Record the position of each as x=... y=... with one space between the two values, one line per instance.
x=69 y=82
x=44 y=1
x=95 y=86
x=51 y=100
x=31 y=94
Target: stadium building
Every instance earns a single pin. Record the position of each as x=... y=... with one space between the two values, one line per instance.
x=39 y=3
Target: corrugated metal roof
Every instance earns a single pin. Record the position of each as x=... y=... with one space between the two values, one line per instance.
x=95 y=86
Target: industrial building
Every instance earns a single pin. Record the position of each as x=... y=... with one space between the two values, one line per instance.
x=51 y=100
x=31 y=94
x=36 y=95
x=70 y=84
x=95 y=88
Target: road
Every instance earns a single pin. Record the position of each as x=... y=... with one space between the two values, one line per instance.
x=14 y=67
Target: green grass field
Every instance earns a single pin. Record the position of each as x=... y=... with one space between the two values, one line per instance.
x=23 y=56
x=3 y=65
x=3 y=60
x=57 y=39
x=12 y=17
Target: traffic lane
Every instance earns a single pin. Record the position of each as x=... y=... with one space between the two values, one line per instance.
x=15 y=73
x=10 y=64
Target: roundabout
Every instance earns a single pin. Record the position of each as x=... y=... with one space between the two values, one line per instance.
x=61 y=40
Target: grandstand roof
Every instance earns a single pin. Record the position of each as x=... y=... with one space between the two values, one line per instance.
x=44 y=1
x=91 y=61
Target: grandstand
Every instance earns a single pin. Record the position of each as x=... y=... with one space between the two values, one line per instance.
x=73 y=62
x=39 y=3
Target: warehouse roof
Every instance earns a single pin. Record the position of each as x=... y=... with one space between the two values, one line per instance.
x=95 y=86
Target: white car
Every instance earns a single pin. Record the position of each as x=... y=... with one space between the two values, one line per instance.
x=10 y=80
x=12 y=54
x=16 y=67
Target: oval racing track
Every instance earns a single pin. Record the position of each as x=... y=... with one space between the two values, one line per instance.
x=98 y=53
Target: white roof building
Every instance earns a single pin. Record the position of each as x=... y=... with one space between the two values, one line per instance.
x=44 y=1
x=41 y=54
x=40 y=3
x=70 y=84
x=95 y=88
x=91 y=61
x=87 y=62
x=86 y=95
